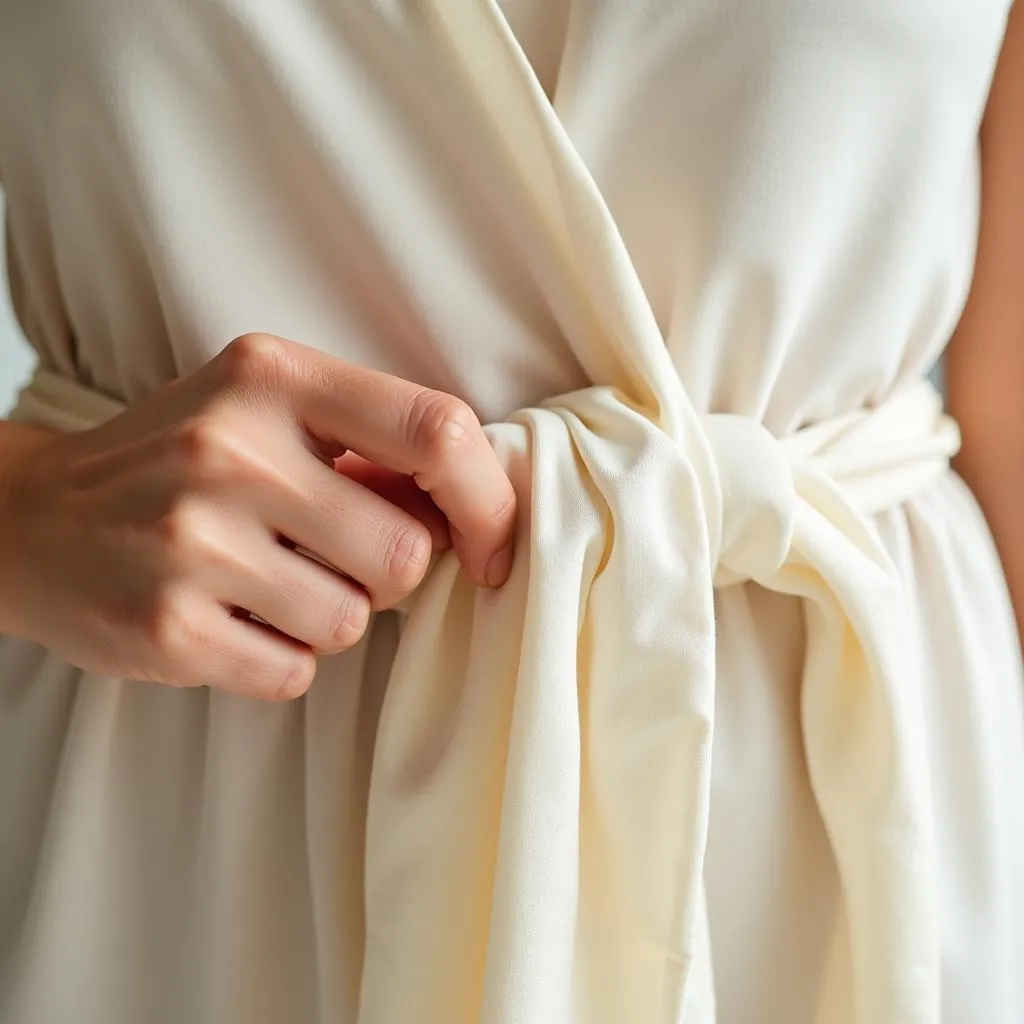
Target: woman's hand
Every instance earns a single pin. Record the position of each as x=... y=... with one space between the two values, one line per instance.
x=137 y=549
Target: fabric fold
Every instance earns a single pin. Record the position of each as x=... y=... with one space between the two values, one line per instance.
x=541 y=782
x=540 y=789
x=602 y=814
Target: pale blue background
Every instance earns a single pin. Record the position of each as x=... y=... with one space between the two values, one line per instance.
x=15 y=361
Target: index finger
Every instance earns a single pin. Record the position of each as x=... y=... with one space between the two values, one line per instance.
x=433 y=437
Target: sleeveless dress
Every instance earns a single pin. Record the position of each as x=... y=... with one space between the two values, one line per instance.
x=742 y=739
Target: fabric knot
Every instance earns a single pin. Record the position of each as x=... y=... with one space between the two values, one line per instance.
x=754 y=526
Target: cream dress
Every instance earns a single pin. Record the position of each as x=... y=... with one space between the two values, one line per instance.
x=675 y=233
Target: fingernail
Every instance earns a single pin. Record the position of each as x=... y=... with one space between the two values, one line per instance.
x=499 y=566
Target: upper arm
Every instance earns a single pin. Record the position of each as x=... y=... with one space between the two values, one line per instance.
x=985 y=362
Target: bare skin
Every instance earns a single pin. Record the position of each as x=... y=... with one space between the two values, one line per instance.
x=137 y=549
x=985 y=367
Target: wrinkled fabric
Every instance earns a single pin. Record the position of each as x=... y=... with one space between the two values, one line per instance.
x=517 y=820
x=537 y=743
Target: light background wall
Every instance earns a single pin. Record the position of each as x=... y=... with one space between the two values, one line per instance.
x=15 y=361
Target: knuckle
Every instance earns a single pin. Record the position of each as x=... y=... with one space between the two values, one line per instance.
x=182 y=526
x=201 y=442
x=407 y=555
x=255 y=357
x=350 y=620
x=169 y=625
x=441 y=424
x=212 y=450
x=214 y=546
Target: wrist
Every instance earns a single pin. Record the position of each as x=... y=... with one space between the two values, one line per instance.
x=20 y=446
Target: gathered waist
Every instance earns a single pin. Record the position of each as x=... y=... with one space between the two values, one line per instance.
x=880 y=455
